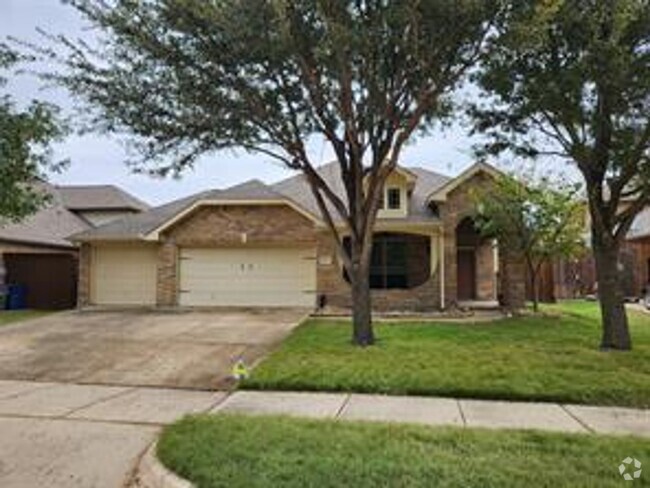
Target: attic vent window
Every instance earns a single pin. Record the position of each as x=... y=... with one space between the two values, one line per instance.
x=393 y=195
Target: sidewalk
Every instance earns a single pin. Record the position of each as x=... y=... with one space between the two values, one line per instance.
x=442 y=411
x=156 y=406
x=66 y=435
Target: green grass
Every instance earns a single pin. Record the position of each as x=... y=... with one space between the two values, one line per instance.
x=233 y=451
x=10 y=316
x=530 y=358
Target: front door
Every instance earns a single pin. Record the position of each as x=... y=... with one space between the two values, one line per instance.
x=466 y=269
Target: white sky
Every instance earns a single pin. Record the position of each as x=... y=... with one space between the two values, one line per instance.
x=100 y=160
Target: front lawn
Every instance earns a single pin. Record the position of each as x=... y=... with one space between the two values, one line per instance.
x=234 y=451
x=11 y=316
x=532 y=358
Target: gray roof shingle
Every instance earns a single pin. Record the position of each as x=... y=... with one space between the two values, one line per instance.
x=94 y=197
x=50 y=226
x=427 y=181
x=54 y=223
x=294 y=189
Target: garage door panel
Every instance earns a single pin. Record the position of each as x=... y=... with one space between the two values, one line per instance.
x=124 y=275
x=247 y=277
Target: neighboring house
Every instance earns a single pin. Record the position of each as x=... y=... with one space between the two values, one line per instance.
x=575 y=278
x=267 y=245
x=36 y=253
x=99 y=204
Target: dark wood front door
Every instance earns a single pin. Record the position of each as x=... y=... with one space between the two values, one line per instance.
x=466 y=269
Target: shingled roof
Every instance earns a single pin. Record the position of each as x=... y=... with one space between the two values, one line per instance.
x=293 y=190
x=298 y=190
x=94 y=197
x=54 y=223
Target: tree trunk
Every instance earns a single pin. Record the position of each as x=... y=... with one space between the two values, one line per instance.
x=362 y=333
x=616 y=334
x=533 y=272
x=535 y=288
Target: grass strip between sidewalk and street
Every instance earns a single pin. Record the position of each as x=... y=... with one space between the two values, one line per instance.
x=236 y=451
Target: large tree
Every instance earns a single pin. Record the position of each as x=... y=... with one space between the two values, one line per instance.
x=188 y=77
x=570 y=79
x=541 y=220
x=25 y=151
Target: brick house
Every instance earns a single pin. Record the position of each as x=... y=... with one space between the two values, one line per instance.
x=575 y=278
x=266 y=245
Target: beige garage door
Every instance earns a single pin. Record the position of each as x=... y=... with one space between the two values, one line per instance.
x=257 y=277
x=124 y=275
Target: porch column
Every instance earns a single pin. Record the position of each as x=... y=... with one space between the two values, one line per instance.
x=436 y=264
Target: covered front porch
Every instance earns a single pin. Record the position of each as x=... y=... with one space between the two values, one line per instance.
x=477 y=268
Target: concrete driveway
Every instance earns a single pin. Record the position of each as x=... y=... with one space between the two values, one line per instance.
x=184 y=349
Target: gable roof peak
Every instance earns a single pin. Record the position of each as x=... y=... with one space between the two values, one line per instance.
x=440 y=194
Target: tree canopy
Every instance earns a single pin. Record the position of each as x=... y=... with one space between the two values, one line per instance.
x=540 y=220
x=570 y=79
x=25 y=138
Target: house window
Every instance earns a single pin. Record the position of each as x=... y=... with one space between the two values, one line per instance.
x=397 y=261
x=393 y=195
x=388 y=266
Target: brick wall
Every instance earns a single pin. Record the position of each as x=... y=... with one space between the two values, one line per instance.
x=213 y=226
x=167 y=274
x=460 y=204
x=512 y=269
x=486 y=286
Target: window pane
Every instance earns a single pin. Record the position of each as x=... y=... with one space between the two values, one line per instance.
x=393 y=195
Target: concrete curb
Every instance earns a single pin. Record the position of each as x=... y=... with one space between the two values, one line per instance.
x=150 y=473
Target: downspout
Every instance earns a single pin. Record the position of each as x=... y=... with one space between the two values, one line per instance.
x=441 y=260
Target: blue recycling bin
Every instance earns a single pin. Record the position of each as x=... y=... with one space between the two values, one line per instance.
x=16 y=297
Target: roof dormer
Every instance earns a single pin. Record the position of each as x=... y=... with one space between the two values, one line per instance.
x=396 y=194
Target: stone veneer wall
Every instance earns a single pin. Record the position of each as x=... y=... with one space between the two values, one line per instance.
x=332 y=285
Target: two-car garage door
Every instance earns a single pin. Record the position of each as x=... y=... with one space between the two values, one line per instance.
x=240 y=277
x=247 y=277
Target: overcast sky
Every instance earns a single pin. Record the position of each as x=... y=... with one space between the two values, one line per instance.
x=100 y=160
